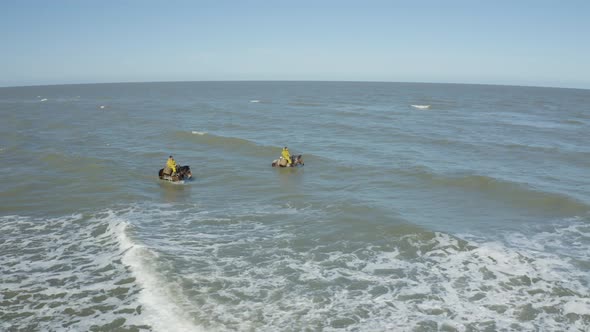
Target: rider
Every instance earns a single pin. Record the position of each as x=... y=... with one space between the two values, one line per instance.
x=287 y=155
x=170 y=166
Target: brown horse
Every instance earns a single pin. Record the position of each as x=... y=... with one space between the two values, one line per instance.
x=183 y=173
x=282 y=162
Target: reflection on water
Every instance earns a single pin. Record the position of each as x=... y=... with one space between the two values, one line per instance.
x=172 y=192
x=290 y=176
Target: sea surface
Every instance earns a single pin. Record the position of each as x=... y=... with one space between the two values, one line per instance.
x=421 y=207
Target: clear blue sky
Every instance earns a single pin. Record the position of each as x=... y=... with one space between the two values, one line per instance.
x=543 y=43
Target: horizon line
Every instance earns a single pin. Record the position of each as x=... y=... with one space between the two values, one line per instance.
x=294 y=81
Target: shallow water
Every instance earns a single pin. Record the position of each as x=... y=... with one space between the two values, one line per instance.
x=471 y=214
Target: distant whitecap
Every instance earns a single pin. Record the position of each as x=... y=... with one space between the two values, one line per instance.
x=255 y=101
x=422 y=107
x=101 y=106
x=44 y=99
x=201 y=133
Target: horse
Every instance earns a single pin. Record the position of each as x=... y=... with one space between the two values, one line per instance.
x=182 y=173
x=282 y=162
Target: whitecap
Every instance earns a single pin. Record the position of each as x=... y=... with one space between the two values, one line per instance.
x=254 y=101
x=422 y=107
x=162 y=313
x=200 y=133
x=577 y=306
x=65 y=265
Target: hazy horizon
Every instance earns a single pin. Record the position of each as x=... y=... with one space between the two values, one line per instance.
x=294 y=81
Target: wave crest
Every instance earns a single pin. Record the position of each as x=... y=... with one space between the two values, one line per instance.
x=518 y=194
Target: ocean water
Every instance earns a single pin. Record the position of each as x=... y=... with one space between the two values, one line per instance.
x=421 y=207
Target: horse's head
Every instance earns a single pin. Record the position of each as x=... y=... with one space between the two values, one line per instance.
x=185 y=172
x=298 y=160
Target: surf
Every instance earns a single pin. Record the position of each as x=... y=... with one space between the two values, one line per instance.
x=65 y=268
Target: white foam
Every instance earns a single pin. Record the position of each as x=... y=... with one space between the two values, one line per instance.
x=255 y=101
x=57 y=262
x=245 y=272
x=44 y=99
x=422 y=107
x=577 y=306
x=448 y=281
x=160 y=311
x=200 y=133
x=102 y=106
x=251 y=275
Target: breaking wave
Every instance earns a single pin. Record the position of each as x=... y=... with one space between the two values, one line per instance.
x=259 y=268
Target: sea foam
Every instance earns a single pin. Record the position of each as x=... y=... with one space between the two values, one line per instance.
x=62 y=269
x=247 y=274
x=160 y=310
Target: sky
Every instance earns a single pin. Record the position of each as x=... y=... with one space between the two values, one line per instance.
x=537 y=43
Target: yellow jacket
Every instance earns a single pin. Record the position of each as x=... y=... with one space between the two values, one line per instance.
x=287 y=155
x=172 y=164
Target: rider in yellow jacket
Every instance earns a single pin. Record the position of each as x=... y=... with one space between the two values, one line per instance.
x=171 y=163
x=287 y=155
